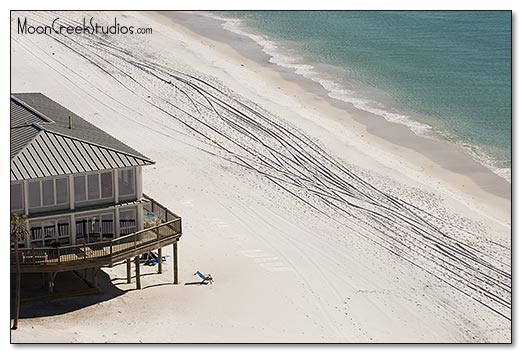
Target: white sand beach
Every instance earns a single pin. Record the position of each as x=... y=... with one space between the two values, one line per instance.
x=319 y=222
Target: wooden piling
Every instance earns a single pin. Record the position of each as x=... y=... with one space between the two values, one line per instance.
x=128 y=271
x=160 y=261
x=175 y=261
x=137 y=264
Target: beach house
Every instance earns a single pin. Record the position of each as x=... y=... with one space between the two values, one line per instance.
x=81 y=191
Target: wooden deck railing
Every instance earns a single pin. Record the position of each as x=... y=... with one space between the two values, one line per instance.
x=163 y=213
x=170 y=226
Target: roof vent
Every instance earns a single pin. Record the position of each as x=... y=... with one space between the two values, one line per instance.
x=70 y=122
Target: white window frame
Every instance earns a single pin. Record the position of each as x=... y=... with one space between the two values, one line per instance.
x=29 y=193
x=42 y=193
x=34 y=224
x=23 y=196
x=40 y=223
x=99 y=173
x=134 y=184
x=112 y=184
x=67 y=188
x=135 y=220
x=97 y=179
x=99 y=218
x=85 y=188
x=54 y=194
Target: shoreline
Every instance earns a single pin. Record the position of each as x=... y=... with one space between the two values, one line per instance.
x=321 y=73
x=443 y=155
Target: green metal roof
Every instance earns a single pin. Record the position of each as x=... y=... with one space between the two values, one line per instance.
x=43 y=145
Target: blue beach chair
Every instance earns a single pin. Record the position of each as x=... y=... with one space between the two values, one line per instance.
x=205 y=277
x=154 y=261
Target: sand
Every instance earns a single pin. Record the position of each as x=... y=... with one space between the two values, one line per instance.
x=319 y=225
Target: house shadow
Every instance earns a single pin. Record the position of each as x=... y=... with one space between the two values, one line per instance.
x=70 y=293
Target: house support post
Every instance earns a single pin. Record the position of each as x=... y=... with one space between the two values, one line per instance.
x=175 y=261
x=128 y=271
x=160 y=261
x=138 y=280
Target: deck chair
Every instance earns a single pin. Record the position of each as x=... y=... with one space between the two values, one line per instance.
x=154 y=261
x=205 y=277
x=146 y=257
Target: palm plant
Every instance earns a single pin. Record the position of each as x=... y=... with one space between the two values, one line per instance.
x=19 y=232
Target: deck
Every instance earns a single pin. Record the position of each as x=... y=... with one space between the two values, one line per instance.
x=104 y=253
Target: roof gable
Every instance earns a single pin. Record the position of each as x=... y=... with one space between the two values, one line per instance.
x=51 y=154
x=58 y=115
x=43 y=144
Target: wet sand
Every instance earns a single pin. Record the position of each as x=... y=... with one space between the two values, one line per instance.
x=444 y=154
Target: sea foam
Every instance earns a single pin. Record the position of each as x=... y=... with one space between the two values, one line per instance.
x=337 y=90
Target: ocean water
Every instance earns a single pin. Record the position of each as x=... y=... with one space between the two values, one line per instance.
x=445 y=74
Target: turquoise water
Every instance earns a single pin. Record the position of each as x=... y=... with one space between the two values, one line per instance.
x=442 y=73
